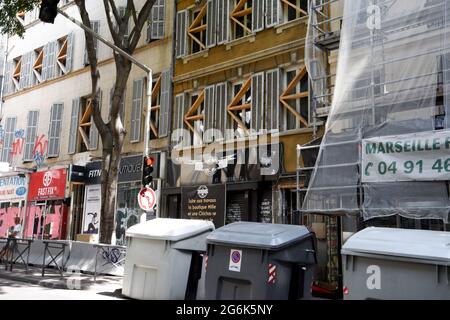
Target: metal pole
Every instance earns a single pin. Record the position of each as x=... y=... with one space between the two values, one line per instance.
x=5 y=61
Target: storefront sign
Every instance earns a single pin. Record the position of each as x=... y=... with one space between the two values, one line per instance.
x=12 y=189
x=92 y=207
x=47 y=185
x=130 y=170
x=420 y=156
x=204 y=203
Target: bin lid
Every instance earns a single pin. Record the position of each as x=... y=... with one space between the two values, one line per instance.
x=258 y=235
x=417 y=244
x=169 y=229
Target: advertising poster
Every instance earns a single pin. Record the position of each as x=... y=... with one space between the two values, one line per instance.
x=92 y=206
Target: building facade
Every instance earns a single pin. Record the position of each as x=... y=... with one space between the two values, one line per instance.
x=47 y=121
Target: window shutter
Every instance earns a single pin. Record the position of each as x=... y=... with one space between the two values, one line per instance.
x=45 y=62
x=93 y=132
x=8 y=77
x=30 y=136
x=258 y=15
x=210 y=114
x=55 y=130
x=273 y=12
x=51 y=62
x=211 y=23
x=163 y=128
x=9 y=138
x=178 y=118
x=136 y=110
x=74 y=121
x=272 y=121
x=223 y=13
x=95 y=25
x=181 y=31
x=25 y=72
x=155 y=26
x=221 y=103
x=257 y=92
x=69 y=52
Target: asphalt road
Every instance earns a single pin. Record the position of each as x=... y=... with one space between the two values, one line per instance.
x=12 y=290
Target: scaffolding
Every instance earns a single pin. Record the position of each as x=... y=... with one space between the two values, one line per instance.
x=392 y=78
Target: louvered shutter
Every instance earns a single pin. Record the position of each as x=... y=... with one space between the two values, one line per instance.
x=178 y=116
x=25 y=72
x=273 y=12
x=446 y=82
x=51 y=60
x=10 y=129
x=257 y=91
x=181 y=33
x=69 y=58
x=221 y=102
x=257 y=15
x=93 y=132
x=163 y=127
x=55 y=130
x=211 y=15
x=223 y=14
x=30 y=135
x=210 y=114
x=8 y=77
x=272 y=120
x=136 y=110
x=74 y=122
x=155 y=27
x=95 y=25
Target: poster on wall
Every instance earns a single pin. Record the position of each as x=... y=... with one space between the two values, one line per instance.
x=12 y=189
x=92 y=207
x=204 y=203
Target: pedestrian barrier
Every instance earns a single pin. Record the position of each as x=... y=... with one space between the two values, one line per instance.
x=12 y=245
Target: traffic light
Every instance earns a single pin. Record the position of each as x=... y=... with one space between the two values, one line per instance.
x=49 y=11
x=147 y=171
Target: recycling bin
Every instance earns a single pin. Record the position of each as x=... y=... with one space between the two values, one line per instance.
x=164 y=259
x=260 y=261
x=400 y=264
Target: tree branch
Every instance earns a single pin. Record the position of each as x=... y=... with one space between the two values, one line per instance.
x=135 y=34
x=108 y=9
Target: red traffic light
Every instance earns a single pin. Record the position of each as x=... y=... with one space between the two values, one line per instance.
x=149 y=161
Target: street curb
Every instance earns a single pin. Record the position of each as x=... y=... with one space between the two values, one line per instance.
x=47 y=283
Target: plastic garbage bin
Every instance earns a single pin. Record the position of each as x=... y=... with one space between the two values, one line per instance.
x=258 y=261
x=164 y=259
x=385 y=263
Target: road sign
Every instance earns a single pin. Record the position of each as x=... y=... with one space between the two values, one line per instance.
x=147 y=199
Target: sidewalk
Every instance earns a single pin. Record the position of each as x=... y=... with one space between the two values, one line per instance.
x=52 y=279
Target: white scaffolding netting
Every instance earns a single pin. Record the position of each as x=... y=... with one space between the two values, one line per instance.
x=393 y=78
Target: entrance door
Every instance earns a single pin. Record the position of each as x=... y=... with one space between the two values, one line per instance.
x=237 y=206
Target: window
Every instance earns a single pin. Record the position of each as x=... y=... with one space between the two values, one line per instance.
x=195 y=116
x=295 y=99
x=95 y=25
x=181 y=33
x=136 y=110
x=30 y=135
x=164 y=103
x=54 y=133
x=241 y=18
x=38 y=64
x=10 y=130
x=87 y=128
x=178 y=116
x=239 y=108
x=17 y=71
x=197 y=30
x=155 y=24
x=74 y=120
x=294 y=9
x=26 y=75
x=64 y=57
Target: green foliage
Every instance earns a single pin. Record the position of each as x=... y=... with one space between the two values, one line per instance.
x=9 y=23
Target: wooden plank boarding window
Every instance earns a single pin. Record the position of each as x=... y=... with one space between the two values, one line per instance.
x=239 y=105
x=156 y=107
x=17 y=72
x=37 y=66
x=197 y=30
x=195 y=113
x=294 y=9
x=241 y=18
x=87 y=127
x=64 y=56
x=293 y=94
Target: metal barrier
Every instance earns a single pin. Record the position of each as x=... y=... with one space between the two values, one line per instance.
x=61 y=246
x=114 y=254
x=12 y=247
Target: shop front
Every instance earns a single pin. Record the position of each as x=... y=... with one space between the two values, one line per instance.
x=128 y=212
x=13 y=191
x=47 y=210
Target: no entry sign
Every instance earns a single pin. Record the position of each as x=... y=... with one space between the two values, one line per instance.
x=147 y=199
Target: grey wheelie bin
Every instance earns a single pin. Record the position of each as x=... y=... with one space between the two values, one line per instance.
x=164 y=259
x=259 y=261
x=400 y=264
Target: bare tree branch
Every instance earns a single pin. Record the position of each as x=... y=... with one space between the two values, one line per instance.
x=135 y=34
x=112 y=29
